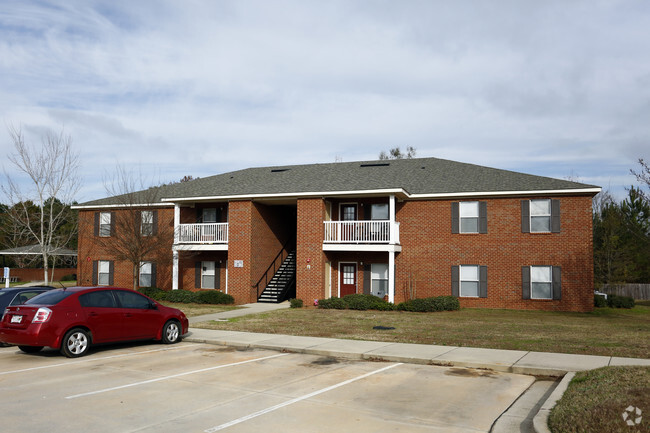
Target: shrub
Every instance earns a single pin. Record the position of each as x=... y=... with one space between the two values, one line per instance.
x=184 y=296
x=70 y=277
x=332 y=303
x=600 y=301
x=153 y=293
x=295 y=303
x=422 y=305
x=448 y=303
x=213 y=297
x=614 y=301
x=366 y=302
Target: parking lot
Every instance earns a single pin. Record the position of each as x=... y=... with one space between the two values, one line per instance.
x=191 y=387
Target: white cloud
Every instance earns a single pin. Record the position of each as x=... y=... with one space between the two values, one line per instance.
x=203 y=87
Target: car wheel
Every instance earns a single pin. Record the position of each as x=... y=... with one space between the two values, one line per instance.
x=171 y=332
x=75 y=343
x=30 y=349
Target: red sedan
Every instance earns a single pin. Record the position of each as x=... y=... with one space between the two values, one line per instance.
x=75 y=318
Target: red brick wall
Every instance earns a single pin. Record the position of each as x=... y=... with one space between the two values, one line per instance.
x=429 y=249
x=89 y=250
x=310 y=259
x=26 y=275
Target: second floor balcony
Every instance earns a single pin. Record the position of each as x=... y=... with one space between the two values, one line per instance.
x=202 y=233
x=361 y=232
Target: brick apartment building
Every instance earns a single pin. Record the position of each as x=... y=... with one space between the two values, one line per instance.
x=397 y=229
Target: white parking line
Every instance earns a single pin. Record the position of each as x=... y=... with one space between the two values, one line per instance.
x=296 y=400
x=68 y=363
x=86 y=394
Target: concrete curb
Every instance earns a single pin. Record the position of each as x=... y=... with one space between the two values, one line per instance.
x=540 y=422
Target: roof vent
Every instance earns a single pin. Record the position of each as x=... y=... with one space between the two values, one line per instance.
x=279 y=170
x=375 y=164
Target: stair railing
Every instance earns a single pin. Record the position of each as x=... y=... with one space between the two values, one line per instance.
x=272 y=269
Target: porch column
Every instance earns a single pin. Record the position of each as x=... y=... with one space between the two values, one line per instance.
x=391 y=276
x=175 y=271
x=391 y=217
x=177 y=222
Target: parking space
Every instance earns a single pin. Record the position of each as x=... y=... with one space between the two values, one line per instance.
x=193 y=387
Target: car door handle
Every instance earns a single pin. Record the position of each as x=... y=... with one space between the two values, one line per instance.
x=128 y=315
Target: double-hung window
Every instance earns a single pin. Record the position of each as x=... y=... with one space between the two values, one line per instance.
x=104 y=273
x=541 y=282
x=469 y=217
x=146 y=223
x=540 y=216
x=469 y=281
x=146 y=274
x=105 y=220
x=379 y=279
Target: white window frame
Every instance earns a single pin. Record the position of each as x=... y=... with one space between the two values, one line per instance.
x=534 y=279
x=145 y=266
x=105 y=224
x=376 y=276
x=205 y=272
x=103 y=269
x=545 y=215
x=468 y=210
x=463 y=271
x=146 y=223
x=372 y=211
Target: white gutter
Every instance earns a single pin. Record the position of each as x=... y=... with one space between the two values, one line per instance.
x=400 y=192
x=117 y=206
x=397 y=191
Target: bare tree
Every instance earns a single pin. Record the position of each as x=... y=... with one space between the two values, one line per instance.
x=137 y=235
x=396 y=153
x=40 y=204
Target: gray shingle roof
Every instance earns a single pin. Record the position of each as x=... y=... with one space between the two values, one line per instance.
x=427 y=176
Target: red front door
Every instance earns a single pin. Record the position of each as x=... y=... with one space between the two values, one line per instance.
x=348 y=278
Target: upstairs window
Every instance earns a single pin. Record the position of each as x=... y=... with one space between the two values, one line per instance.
x=146 y=223
x=209 y=215
x=469 y=217
x=540 y=216
x=104 y=224
x=379 y=211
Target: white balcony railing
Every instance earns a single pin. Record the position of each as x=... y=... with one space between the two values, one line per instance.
x=206 y=233
x=361 y=232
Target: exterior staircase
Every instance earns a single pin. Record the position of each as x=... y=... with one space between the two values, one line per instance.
x=283 y=284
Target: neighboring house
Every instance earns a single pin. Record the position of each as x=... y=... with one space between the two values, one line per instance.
x=397 y=229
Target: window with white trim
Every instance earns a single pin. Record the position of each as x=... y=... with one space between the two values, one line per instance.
x=208 y=272
x=379 y=279
x=469 y=217
x=146 y=272
x=540 y=215
x=469 y=281
x=541 y=282
x=103 y=273
x=379 y=211
x=146 y=224
x=104 y=224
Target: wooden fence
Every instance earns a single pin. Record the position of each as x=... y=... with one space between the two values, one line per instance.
x=637 y=291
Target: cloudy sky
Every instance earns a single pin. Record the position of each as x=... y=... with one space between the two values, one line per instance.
x=175 y=88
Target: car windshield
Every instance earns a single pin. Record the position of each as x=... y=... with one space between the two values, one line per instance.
x=49 y=298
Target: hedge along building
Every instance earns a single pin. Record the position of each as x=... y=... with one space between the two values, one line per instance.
x=397 y=229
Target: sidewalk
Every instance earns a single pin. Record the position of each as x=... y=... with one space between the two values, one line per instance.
x=528 y=414
x=507 y=361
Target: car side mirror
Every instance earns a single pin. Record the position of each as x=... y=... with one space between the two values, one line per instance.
x=153 y=306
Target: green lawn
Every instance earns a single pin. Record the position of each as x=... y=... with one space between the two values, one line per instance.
x=596 y=400
x=610 y=332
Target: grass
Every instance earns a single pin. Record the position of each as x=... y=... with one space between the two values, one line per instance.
x=609 y=332
x=192 y=310
x=596 y=400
